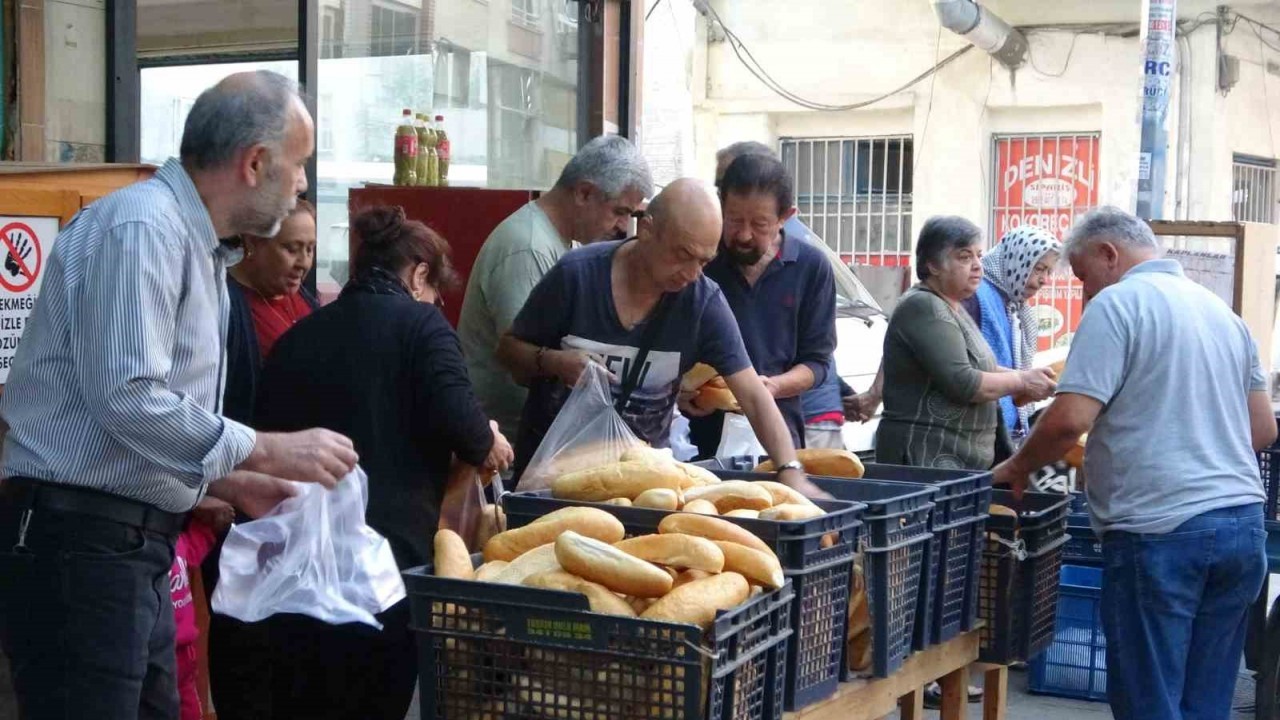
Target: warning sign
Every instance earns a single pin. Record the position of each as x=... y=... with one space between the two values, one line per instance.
x=25 y=243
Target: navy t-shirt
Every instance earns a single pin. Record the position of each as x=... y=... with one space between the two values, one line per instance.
x=572 y=309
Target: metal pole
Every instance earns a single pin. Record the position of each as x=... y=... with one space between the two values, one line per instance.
x=1157 y=72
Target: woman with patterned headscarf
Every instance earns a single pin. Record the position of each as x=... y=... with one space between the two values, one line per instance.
x=1012 y=273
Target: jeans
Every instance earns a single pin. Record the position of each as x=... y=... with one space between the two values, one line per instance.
x=1175 y=610
x=86 y=618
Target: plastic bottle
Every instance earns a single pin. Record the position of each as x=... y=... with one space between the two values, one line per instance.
x=443 y=150
x=420 y=126
x=433 y=157
x=406 y=150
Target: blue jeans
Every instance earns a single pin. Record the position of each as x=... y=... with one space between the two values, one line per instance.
x=1175 y=609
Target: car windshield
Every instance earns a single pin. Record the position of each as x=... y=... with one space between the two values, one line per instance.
x=852 y=297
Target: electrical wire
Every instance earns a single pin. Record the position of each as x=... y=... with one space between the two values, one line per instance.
x=652 y=7
x=918 y=152
x=1031 y=57
x=743 y=53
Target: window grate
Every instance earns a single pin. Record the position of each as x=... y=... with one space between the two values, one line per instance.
x=1253 y=189
x=856 y=194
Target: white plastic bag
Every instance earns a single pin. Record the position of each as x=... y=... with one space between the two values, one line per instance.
x=682 y=448
x=738 y=439
x=586 y=433
x=312 y=555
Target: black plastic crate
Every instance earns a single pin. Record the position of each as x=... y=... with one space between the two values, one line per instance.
x=923 y=636
x=1084 y=548
x=1018 y=590
x=1269 y=467
x=956 y=576
x=818 y=568
x=500 y=651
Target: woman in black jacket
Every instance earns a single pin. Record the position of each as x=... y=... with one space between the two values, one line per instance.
x=381 y=365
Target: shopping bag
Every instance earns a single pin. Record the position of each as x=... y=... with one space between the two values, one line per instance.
x=587 y=433
x=312 y=555
x=738 y=439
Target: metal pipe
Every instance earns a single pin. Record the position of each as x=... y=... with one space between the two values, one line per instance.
x=984 y=29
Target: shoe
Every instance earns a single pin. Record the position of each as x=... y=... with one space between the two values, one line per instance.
x=933 y=695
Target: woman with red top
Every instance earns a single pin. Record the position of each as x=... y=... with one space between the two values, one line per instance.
x=267 y=299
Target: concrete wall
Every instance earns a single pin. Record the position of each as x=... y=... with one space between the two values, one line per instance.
x=75 y=47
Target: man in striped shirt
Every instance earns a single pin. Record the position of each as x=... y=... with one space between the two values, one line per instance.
x=113 y=405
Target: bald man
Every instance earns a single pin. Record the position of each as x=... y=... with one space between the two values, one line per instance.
x=611 y=303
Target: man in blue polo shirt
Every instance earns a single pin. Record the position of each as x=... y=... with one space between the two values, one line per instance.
x=780 y=288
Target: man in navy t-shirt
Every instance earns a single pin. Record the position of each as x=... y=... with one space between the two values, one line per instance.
x=781 y=289
x=594 y=306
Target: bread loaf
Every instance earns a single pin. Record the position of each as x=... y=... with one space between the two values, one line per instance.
x=761 y=568
x=716 y=395
x=743 y=513
x=711 y=528
x=697 y=376
x=732 y=495
x=687 y=576
x=600 y=598
x=605 y=564
x=697 y=602
x=659 y=499
x=702 y=507
x=488 y=571
x=828 y=462
x=592 y=522
x=698 y=475
x=791 y=512
x=492 y=521
x=644 y=453
x=620 y=502
x=452 y=560
x=782 y=494
x=539 y=559
x=675 y=550
x=624 y=479
x=1002 y=510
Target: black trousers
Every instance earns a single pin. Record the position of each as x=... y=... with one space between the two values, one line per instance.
x=86 y=618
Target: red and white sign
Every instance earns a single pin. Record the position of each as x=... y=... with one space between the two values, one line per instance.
x=25 y=243
x=1047 y=181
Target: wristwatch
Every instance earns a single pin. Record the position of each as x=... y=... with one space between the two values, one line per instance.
x=793 y=465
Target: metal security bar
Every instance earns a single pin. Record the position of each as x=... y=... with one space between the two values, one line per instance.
x=855 y=193
x=1046 y=181
x=1253 y=189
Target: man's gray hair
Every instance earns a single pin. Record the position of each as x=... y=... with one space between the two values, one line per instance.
x=745 y=147
x=1112 y=224
x=237 y=114
x=612 y=163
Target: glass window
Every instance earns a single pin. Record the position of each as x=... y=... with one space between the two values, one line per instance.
x=176 y=28
x=503 y=73
x=169 y=92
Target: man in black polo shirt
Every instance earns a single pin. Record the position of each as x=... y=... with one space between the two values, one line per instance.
x=781 y=291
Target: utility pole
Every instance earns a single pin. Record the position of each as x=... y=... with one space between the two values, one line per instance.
x=1159 y=44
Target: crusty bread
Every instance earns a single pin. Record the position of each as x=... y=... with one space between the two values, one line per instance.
x=623 y=479
x=702 y=507
x=732 y=495
x=601 y=599
x=675 y=550
x=711 y=528
x=791 y=512
x=716 y=395
x=592 y=522
x=760 y=568
x=602 y=563
x=743 y=513
x=697 y=376
x=1002 y=510
x=782 y=494
x=452 y=560
x=488 y=571
x=698 y=475
x=698 y=601
x=659 y=499
x=827 y=462
x=539 y=559
x=687 y=576
x=620 y=502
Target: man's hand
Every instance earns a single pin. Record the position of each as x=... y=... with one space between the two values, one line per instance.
x=318 y=455
x=216 y=514
x=861 y=408
x=500 y=455
x=255 y=494
x=771 y=384
x=798 y=481
x=1006 y=474
x=688 y=408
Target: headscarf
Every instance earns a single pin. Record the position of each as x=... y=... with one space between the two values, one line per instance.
x=1008 y=266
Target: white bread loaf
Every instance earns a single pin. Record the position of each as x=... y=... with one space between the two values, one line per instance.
x=675 y=550
x=697 y=602
x=602 y=563
x=592 y=522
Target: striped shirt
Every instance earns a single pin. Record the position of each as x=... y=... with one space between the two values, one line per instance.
x=117 y=382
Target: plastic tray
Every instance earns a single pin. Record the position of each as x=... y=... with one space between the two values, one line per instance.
x=819 y=571
x=498 y=651
x=1075 y=664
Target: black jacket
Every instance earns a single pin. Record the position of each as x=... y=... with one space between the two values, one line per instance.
x=244 y=358
x=387 y=372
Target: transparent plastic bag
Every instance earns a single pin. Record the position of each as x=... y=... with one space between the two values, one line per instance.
x=738 y=439
x=588 y=432
x=312 y=555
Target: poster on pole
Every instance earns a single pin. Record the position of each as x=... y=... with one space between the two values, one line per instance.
x=25 y=244
x=1047 y=181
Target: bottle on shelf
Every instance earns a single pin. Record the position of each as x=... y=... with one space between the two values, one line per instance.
x=443 y=150
x=420 y=167
x=433 y=157
x=406 y=150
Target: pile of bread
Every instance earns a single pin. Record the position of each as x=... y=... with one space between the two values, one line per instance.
x=643 y=477
x=694 y=566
